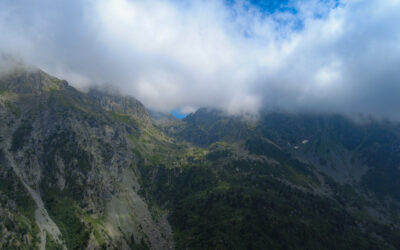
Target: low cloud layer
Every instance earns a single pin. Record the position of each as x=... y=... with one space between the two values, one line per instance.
x=338 y=56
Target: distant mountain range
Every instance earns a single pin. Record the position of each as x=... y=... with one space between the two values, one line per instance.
x=97 y=170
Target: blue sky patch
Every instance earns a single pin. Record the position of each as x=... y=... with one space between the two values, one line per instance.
x=177 y=114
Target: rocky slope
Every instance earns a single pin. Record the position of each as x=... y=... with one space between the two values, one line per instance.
x=94 y=171
x=73 y=153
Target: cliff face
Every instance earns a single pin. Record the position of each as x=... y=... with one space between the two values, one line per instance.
x=74 y=152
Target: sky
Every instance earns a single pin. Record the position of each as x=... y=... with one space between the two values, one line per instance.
x=236 y=55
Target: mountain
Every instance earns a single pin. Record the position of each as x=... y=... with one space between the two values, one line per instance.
x=74 y=154
x=338 y=164
x=96 y=170
x=363 y=152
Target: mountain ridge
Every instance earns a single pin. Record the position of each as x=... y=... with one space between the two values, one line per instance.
x=70 y=135
x=112 y=176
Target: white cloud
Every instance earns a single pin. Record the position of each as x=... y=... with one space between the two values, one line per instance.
x=325 y=56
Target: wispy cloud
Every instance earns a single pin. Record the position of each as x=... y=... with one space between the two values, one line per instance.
x=340 y=56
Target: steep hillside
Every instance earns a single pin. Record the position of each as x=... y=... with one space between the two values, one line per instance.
x=75 y=152
x=326 y=158
x=366 y=153
x=94 y=171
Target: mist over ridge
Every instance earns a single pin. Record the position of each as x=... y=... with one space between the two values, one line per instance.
x=305 y=56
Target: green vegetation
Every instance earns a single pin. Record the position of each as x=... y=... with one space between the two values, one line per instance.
x=381 y=151
x=15 y=191
x=51 y=244
x=295 y=171
x=62 y=145
x=125 y=119
x=14 y=109
x=227 y=183
x=238 y=200
x=240 y=205
x=22 y=220
x=65 y=214
x=137 y=245
x=21 y=135
x=95 y=225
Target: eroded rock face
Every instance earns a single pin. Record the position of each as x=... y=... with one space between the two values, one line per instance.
x=72 y=149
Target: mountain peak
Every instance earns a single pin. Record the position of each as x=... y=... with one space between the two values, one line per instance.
x=22 y=80
x=115 y=102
